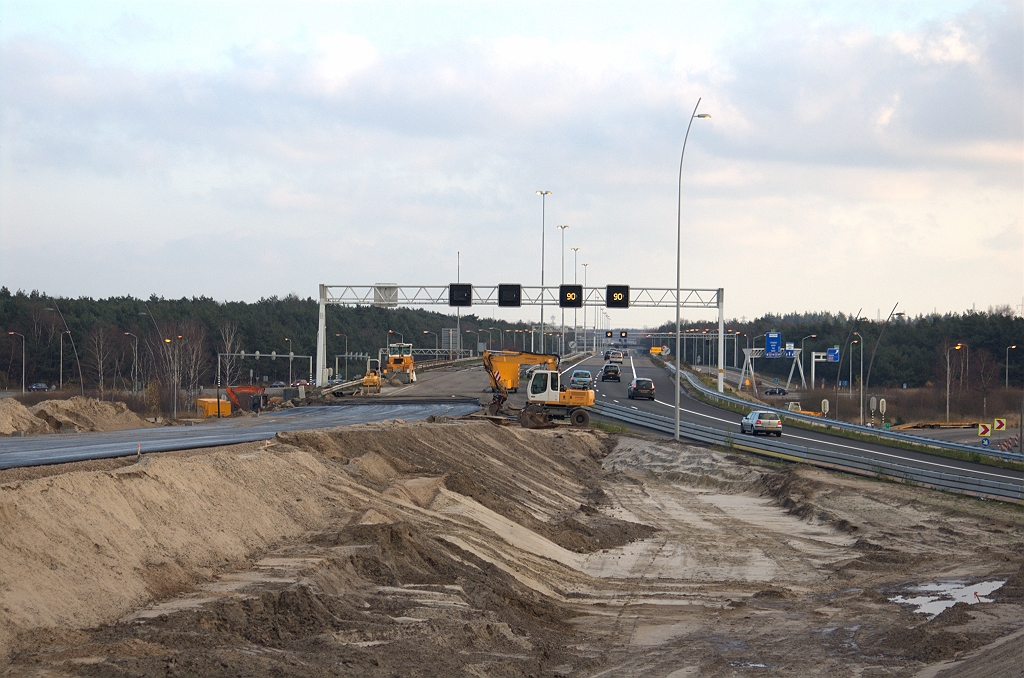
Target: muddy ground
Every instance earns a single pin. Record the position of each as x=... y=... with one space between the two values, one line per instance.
x=464 y=548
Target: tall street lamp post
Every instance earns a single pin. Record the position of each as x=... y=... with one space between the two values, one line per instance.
x=861 y=339
x=543 y=232
x=1008 y=366
x=892 y=314
x=339 y=334
x=290 y=354
x=561 y=350
x=679 y=251
x=22 y=358
x=952 y=348
x=435 y=341
x=62 y=358
x=135 y=362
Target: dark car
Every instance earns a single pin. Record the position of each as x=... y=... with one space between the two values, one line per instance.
x=640 y=388
x=611 y=373
x=278 y=384
x=39 y=386
x=607 y=354
x=776 y=391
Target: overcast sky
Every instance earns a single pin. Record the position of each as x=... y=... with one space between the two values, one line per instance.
x=858 y=154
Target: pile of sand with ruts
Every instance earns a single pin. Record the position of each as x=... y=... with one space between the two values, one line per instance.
x=67 y=416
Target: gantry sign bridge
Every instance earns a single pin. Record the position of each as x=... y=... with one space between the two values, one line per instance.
x=460 y=295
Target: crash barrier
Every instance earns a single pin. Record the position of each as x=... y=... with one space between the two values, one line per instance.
x=874 y=467
x=880 y=433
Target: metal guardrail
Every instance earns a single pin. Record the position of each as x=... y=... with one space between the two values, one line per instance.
x=979 y=487
x=867 y=430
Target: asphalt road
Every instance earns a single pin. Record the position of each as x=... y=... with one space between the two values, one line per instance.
x=696 y=412
x=56 y=448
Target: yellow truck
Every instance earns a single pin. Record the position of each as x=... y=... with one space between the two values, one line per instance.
x=399 y=363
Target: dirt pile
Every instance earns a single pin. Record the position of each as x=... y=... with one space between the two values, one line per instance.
x=471 y=549
x=87 y=414
x=16 y=418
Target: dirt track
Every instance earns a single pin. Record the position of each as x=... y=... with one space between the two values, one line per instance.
x=469 y=549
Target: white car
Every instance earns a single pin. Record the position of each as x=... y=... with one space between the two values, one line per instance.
x=761 y=422
x=616 y=357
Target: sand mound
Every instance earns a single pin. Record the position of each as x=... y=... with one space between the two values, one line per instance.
x=87 y=414
x=15 y=417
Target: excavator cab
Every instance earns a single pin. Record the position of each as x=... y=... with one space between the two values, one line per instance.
x=543 y=387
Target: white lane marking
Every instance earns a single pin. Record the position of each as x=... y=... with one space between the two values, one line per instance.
x=635 y=407
x=851 y=447
x=632 y=366
x=402 y=389
x=604 y=395
x=614 y=400
x=572 y=366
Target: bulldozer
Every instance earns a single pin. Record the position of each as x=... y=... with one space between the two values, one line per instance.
x=371 y=380
x=399 y=364
x=546 y=399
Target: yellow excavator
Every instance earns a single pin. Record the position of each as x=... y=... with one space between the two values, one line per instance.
x=399 y=364
x=546 y=398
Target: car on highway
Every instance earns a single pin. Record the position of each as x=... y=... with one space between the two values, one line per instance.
x=758 y=421
x=581 y=379
x=607 y=354
x=616 y=357
x=611 y=373
x=278 y=384
x=299 y=382
x=38 y=386
x=777 y=391
x=640 y=388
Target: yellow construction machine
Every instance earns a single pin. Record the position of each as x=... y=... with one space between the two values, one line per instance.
x=399 y=364
x=546 y=398
x=371 y=380
x=505 y=367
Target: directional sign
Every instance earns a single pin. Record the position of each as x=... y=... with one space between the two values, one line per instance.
x=999 y=425
x=986 y=442
x=984 y=430
x=833 y=355
x=773 y=345
x=881 y=405
x=824 y=407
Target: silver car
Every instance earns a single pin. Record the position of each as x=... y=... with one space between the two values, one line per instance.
x=581 y=379
x=761 y=422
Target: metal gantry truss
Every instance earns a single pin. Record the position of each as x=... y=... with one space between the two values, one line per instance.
x=392 y=295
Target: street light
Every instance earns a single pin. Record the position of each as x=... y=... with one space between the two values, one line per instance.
x=402 y=336
x=135 y=363
x=435 y=342
x=561 y=350
x=811 y=336
x=501 y=337
x=892 y=314
x=1008 y=365
x=543 y=230
x=68 y=332
x=861 y=340
x=679 y=251
x=952 y=348
x=340 y=334
x=22 y=358
x=290 y=354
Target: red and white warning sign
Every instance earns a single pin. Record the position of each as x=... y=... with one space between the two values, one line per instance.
x=999 y=425
x=984 y=430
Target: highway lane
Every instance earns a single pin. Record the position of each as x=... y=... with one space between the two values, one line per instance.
x=697 y=412
x=61 y=448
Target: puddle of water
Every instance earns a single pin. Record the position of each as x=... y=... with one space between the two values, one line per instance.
x=934 y=598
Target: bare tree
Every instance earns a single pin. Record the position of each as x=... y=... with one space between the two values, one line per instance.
x=98 y=352
x=192 y=359
x=987 y=368
x=229 y=344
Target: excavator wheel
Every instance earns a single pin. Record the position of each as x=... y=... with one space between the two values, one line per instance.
x=533 y=417
x=579 y=417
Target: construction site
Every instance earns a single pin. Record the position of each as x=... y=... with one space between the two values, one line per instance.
x=466 y=547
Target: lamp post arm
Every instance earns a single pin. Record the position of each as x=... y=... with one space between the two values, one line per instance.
x=679 y=254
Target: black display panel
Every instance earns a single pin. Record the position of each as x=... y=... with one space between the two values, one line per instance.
x=608 y=335
x=460 y=294
x=623 y=334
x=616 y=296
x=570 y=296
x=510 y=295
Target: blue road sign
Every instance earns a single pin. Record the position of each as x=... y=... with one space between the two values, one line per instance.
x=985 y=442
x=844 y=383
x=833 y=355
x=773 y=345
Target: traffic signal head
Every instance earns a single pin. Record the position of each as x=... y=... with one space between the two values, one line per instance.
x=460 y=294
x=623 y=334
x=608 y=334
x=570 y=296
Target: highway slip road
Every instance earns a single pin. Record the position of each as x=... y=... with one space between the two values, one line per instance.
x=697 y=412
x=58 y=449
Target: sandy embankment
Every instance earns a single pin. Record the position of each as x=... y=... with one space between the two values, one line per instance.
x=67 y=416
x=469 y=549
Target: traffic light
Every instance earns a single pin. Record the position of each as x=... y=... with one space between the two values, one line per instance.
x=570 y=296
x=608 y=335
x=510 y=295
x=616 y=296
x=460 y=294
x=623 y=334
